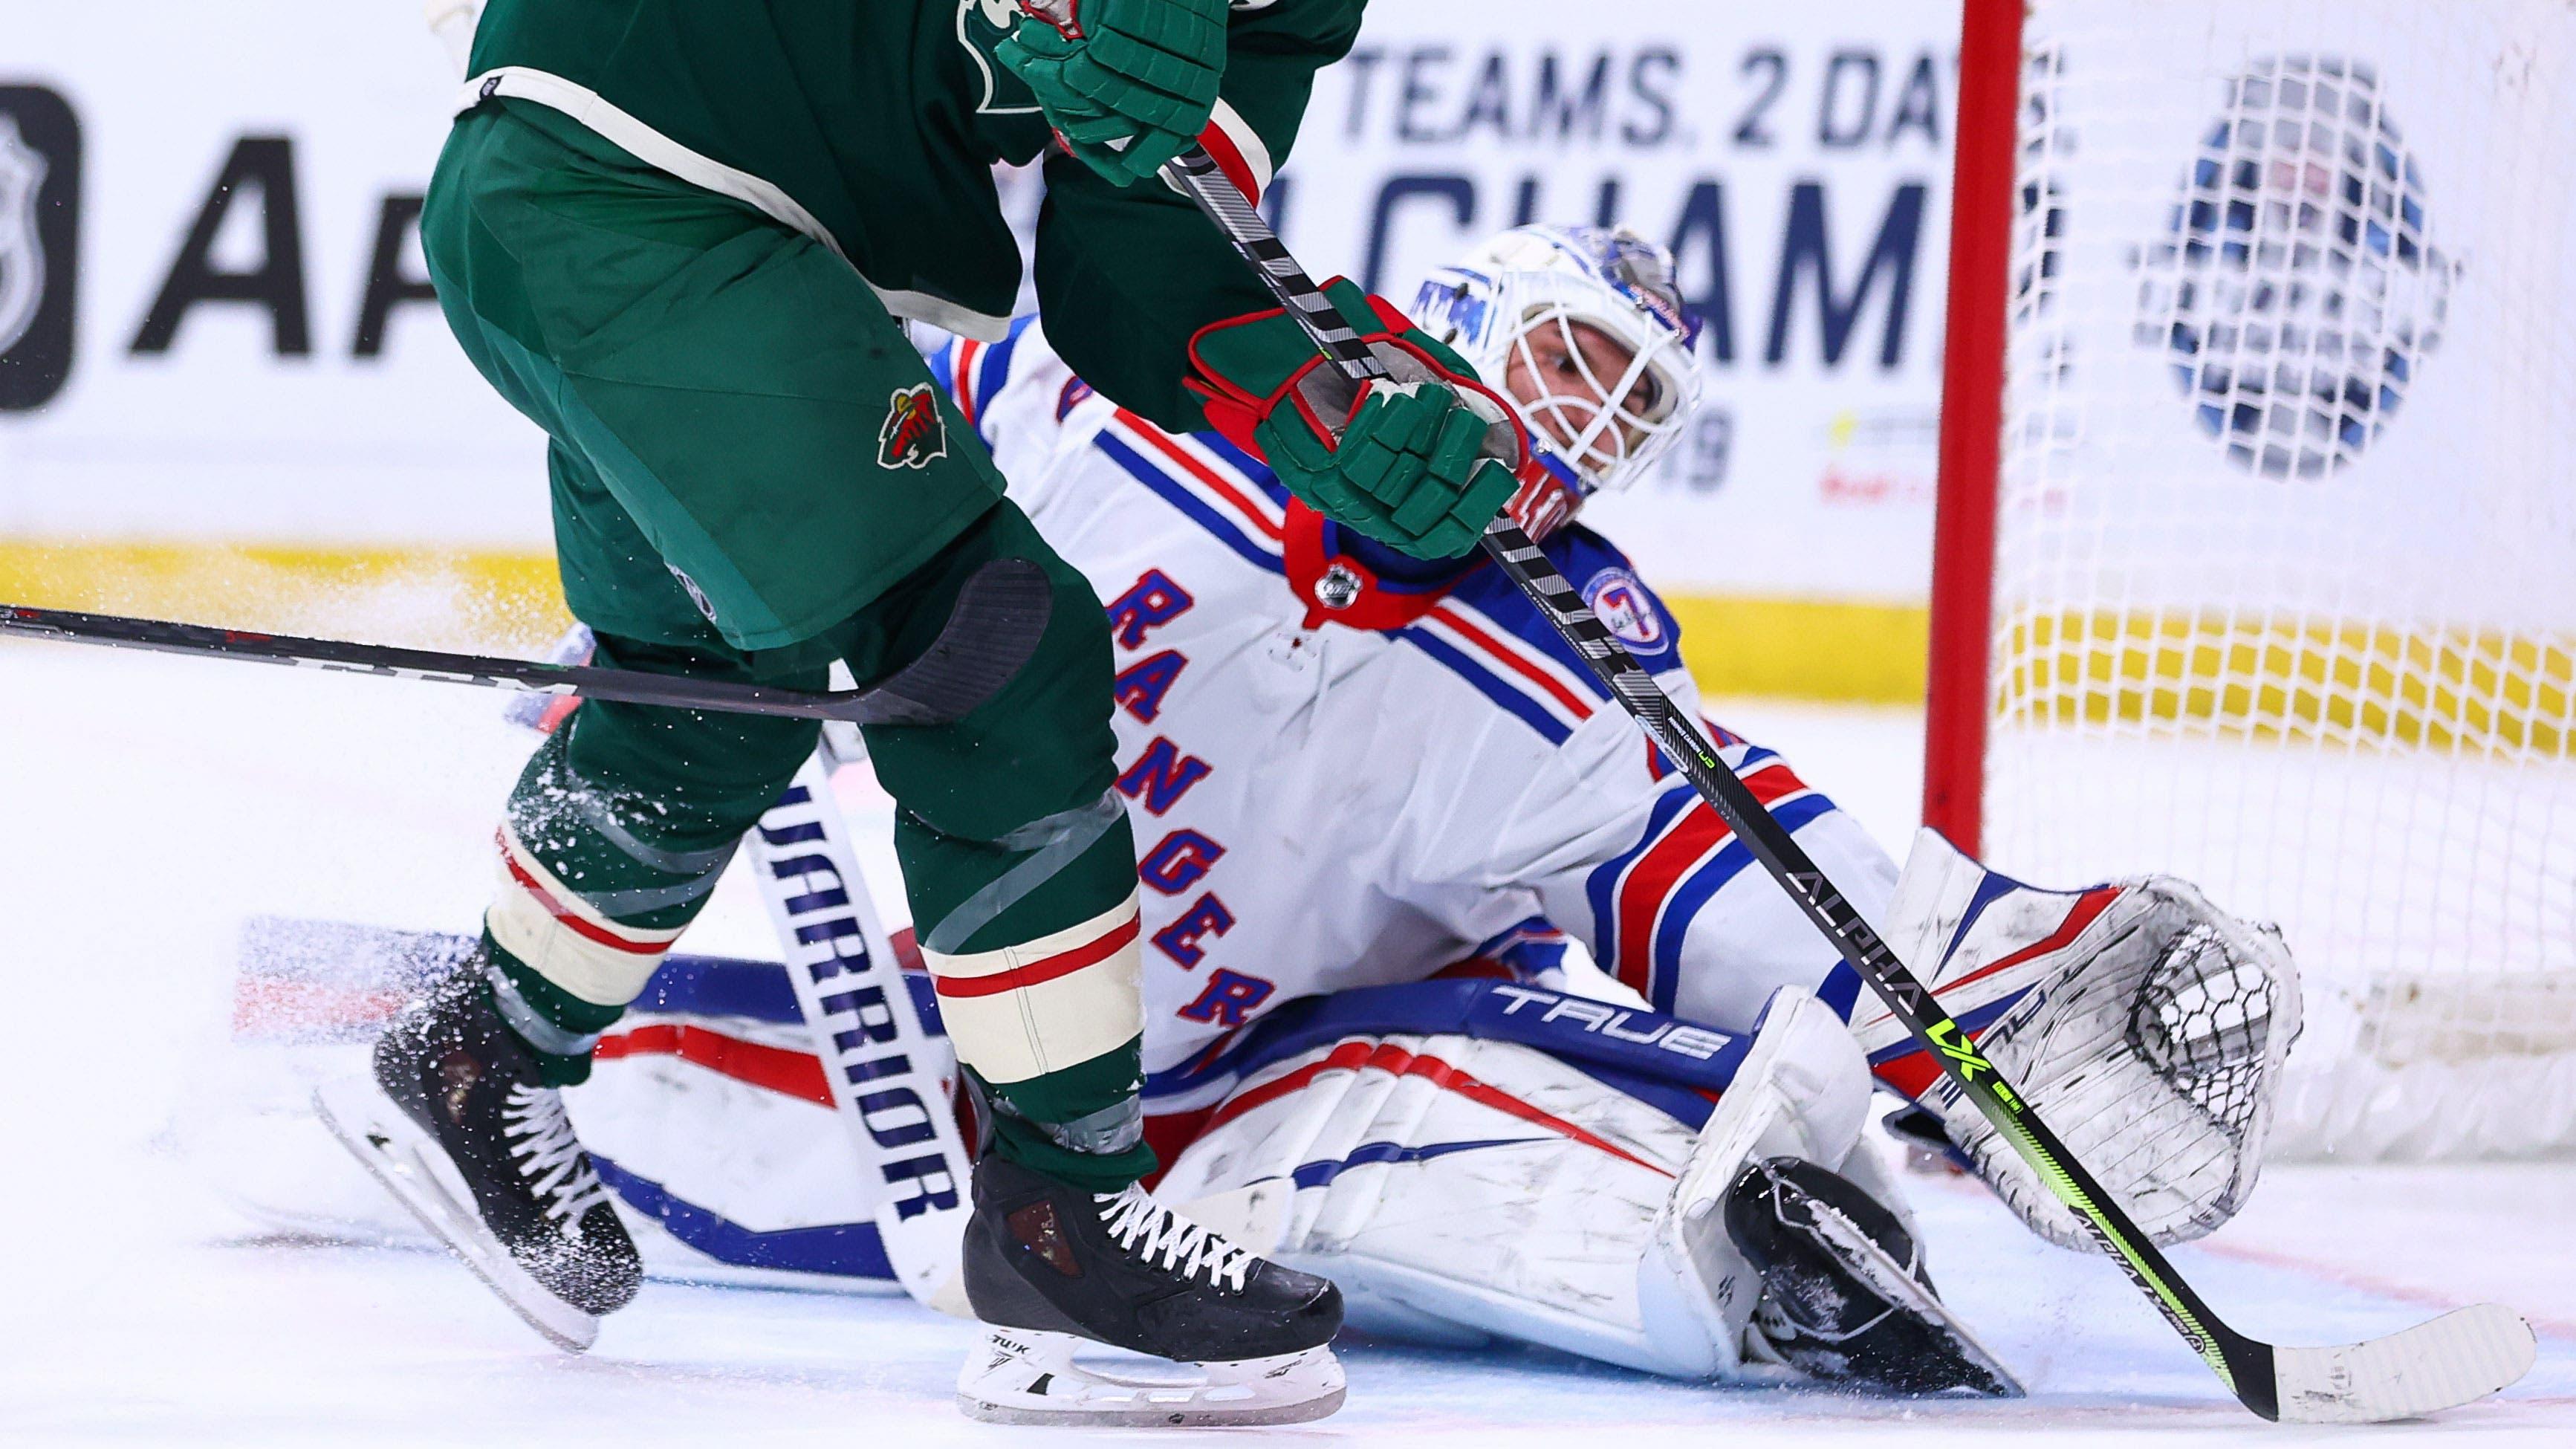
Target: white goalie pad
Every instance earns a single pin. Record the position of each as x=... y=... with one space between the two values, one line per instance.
x=1460 y=1190
x=2147 y=1026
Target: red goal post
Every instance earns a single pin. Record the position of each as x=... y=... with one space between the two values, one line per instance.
x=1972 y=391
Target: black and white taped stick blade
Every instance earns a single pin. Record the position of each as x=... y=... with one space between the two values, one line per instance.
x=2458 y=1358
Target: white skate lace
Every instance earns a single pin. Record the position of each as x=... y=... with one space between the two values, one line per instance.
x=550 y=1155
x=1152 y=1231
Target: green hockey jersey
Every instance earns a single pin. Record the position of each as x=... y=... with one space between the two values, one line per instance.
x=873 y=125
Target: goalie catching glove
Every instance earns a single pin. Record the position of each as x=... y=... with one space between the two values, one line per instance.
x=1420 y=463
x=2144 y=1025
x=1127 y=84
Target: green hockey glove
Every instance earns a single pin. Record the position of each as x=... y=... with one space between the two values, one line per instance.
x=1421 y=463
x=1127 y=84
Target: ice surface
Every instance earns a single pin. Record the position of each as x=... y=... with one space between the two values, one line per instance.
x=148 y=805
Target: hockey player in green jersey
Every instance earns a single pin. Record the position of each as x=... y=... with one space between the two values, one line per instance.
x=682 y=237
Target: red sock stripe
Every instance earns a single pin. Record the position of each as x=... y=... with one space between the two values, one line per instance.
x=564 y=914
x=1064 y=963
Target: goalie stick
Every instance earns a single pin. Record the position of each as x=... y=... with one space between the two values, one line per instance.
x=2451 y=1360
x=876 y=1055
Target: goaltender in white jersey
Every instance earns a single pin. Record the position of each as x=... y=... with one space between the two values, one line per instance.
x=1342 y=776
x=1349 y=770
x=1375 y=800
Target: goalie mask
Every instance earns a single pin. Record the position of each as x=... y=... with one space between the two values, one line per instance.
x=1583 y=328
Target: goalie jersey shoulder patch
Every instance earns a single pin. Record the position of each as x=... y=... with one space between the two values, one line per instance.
x=1620 y=600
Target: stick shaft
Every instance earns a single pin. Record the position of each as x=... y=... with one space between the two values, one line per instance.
x=2243 y=1364
x=877 y=1057
x=625 y=686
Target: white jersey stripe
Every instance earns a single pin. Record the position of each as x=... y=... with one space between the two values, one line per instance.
x=1204 y=477
x=1510 y=668
x=1574 y=689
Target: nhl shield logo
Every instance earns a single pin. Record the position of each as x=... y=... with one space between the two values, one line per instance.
x=22 y=252
x=913 y=434
x=40 y=168
x=1621 y=602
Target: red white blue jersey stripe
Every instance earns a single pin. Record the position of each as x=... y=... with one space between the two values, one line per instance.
x=1645 y=899
x=1535 y=685
x=1321 y=808
x=972 y=372
x=1210 y=482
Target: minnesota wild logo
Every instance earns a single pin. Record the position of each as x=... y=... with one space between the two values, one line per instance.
x=982 y=25
x=912 y=434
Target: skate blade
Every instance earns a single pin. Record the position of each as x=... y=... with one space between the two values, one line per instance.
x=1023 y=1376
x=417 y=1171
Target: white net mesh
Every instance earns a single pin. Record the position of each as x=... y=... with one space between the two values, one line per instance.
x=2285 y=581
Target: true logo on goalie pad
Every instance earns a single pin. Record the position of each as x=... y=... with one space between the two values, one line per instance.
x=1632 y=1027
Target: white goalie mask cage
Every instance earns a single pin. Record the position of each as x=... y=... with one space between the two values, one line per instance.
x=1495 y=304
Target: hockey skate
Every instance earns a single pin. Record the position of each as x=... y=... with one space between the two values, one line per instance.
x=1845 y=1296
x=455 y=1123
x=1052 y=1270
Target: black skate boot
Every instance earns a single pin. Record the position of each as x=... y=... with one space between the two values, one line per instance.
x=456 y=1123
x=1845 y=1296
x=1051 y=1268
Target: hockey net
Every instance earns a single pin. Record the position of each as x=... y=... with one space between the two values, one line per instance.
x=2257 y=557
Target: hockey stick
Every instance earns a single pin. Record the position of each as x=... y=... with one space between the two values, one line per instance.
x=990 y=633
x=2451 y=1360
x=879 y=1063
x=876 y=1055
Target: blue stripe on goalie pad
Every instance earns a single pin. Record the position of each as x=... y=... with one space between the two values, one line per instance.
x=759 y=990
x=846 y=1250
x=1672 y=1065
x=714 y=986
x=1374 y=1154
